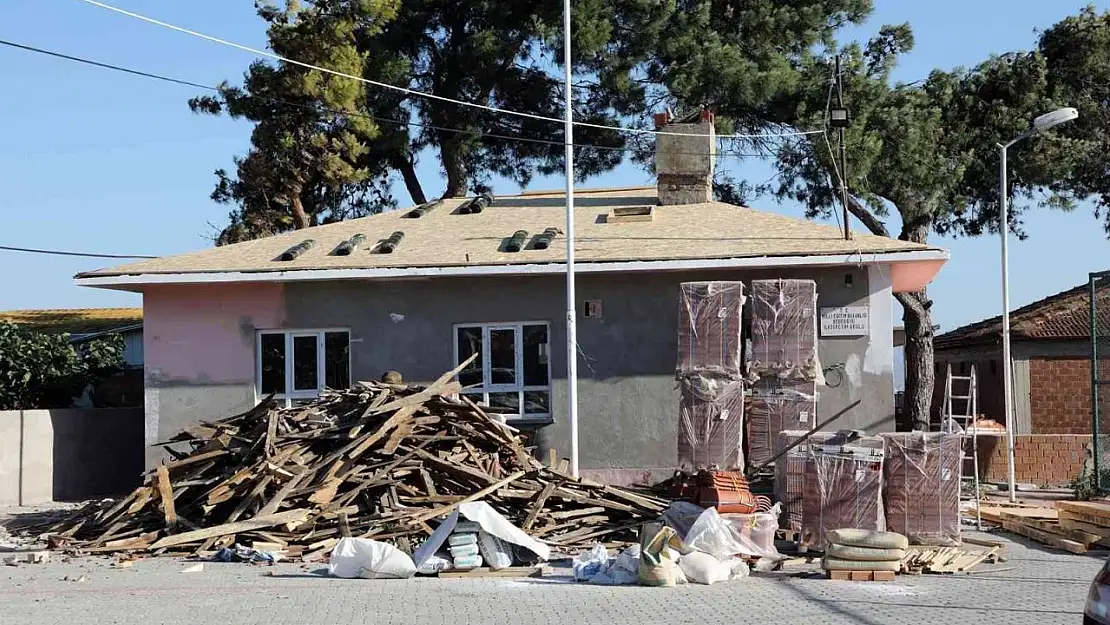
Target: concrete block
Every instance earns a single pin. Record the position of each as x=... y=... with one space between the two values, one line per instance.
x=37 y=478
x=10 y=437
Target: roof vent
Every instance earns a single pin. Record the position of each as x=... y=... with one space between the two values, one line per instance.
x=388 y=245
x=516 y=242
x=631 y=213
x=544 y=239
x=296 y=250
x=476 y=205
x=346 y=247
x=423 y=209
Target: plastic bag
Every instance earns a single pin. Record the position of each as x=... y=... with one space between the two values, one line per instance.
x=589 y=563
x=622 y=570
x=497 y=553
x=716 y=536
x=435 y=563
x=702 y=568
x=369 y=559
x=657 y=565
x=681 y=516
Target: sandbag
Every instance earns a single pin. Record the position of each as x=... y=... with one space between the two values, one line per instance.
x=836 y=564
x=702 y=568
x=497 y=553
x=369 y=559
x=864 y=554
x=871 y=539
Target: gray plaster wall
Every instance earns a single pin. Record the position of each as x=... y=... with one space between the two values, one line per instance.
x=628 y=400
x=173 y=405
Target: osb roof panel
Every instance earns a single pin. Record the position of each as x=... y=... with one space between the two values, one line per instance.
x=445 y=238
x=74 y=320
x=1063 y=316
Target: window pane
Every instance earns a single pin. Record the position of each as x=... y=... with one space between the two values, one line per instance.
x=535 y=356
x=305 y=377
x=272 y=374
x=337 y=360
x=470 y=343
x=502 y=356
x=478 y=398
x=537 y=402
x=505 y=402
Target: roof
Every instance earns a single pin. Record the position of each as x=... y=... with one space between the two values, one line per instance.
x=445 y=238
x=1063 y=316
x=75 y=321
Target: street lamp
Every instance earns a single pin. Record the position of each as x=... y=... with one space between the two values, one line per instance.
x=1040 y=124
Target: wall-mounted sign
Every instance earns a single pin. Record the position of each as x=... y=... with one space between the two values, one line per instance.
x=845 y=321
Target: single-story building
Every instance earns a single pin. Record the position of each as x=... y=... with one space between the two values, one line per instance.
x=420 y=290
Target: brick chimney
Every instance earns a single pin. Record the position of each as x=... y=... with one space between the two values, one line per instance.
x=684 y=164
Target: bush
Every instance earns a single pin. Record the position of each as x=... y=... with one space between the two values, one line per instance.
x=47 y=371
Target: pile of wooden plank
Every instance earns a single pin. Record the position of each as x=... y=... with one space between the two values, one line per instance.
x=920 y=559
x=378 y=461
x=1073 y=526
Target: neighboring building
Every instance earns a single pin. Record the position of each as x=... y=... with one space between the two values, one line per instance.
x=225 y=326
x=85 y=324
x=1051 y=350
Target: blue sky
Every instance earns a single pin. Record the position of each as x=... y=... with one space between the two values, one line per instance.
x=99 y=161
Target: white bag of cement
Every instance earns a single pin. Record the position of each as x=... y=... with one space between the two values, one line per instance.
x=435 y=563
x=369 y=559
x=702 y=568
x=463 y=551
x=487 y=519
x=468 y=562
x=497 y=553
x=458 y=540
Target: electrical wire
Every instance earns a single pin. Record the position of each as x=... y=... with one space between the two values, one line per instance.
x=414 y=92
x=319 y=109
x=31 y=250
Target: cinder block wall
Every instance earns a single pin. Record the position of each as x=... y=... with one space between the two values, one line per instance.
x=1042 y=459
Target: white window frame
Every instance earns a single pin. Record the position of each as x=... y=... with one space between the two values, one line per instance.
x=518 y=347
x=290 y=395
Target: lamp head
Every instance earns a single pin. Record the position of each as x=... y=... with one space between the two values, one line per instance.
x=1055 y=118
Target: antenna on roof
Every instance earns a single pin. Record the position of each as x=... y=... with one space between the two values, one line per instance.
x=297 y=250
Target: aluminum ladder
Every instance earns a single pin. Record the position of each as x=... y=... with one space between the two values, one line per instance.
x=962 y=391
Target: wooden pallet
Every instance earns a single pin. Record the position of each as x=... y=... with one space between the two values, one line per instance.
x=860 y=576
x=485 y=571
x=945 y=559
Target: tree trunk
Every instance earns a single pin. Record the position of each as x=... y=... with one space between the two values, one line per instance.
x=918 y=320
x=412 y=181
x=296 y=205
x=454 y=166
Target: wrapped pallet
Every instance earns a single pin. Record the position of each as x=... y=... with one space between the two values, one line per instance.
x=711 y=423
x=922 y=491
x=709 y=335
x=776 y=407
x=784 y=331
x=843 y=487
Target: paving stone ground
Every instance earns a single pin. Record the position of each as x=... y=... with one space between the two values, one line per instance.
x=1044 y=587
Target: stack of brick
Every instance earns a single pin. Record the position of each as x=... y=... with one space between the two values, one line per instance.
x=710 y=374
x=922 y=491
x=783 y=367
x=842 y=487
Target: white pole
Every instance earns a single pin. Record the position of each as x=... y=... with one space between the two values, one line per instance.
x=1007 y=369
x=572 y=331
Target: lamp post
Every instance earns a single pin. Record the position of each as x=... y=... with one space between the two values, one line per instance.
x=572 y=333
x=1040 y=124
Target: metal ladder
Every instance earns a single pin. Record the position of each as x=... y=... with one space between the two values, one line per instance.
x=963 y=422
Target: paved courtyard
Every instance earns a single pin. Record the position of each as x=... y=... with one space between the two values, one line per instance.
x=1043 y=587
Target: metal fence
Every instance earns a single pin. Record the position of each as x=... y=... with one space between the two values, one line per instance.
x=1099 y=307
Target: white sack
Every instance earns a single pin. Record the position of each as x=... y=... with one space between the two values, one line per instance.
x=702 y=568
x=369 y=559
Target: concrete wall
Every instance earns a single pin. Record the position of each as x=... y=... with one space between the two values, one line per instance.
x=627 y=394
x=199 y=352
x=69 y=455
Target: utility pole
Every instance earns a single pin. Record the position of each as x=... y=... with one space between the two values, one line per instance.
x=844 y=121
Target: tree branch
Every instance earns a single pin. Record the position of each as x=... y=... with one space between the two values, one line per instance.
x=862 y=213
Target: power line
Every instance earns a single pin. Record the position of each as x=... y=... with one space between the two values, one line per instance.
x=319 y=109
x=30 y=250
x=414 y=92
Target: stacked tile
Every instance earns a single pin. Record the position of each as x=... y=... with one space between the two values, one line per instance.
x=922 y=491
x=784 y=330
x=790 y=473
x=842 y=488
x=709 y=371
x=775 y=407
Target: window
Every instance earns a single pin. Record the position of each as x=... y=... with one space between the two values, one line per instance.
x=298 y=364
x=511 y=371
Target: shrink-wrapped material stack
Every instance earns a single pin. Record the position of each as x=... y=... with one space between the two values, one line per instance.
x=922 y=491
x=843 y=487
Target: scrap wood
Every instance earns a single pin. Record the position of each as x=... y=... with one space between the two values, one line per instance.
x=378 y=461
x=1086 y=511
x=1043 y=537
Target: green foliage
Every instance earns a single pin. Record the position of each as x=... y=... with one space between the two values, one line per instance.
x=47 y=371
x=1086 y=488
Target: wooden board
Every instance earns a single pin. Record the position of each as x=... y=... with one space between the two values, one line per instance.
x=1043 y=537
x=996 y=514
x=860 y=576
x=512 y=571
x=1087 y=511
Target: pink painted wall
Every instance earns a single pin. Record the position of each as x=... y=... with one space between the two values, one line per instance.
x=908 y=277
x=206 y=333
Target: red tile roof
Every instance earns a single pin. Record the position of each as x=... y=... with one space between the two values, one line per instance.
x=1063 y=316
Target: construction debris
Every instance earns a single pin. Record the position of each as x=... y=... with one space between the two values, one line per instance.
x=1073 y=526
x=920 y=559
x=378 y=461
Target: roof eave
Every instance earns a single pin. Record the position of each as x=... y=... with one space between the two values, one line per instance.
x=934 y=258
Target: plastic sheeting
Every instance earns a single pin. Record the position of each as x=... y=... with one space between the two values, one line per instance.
x=922 y=490
x=711 y=423
x=489 y=520
x=842 y=489
x=776 y=407
x=784 y=331
x=709 y=328
x=790 y=474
